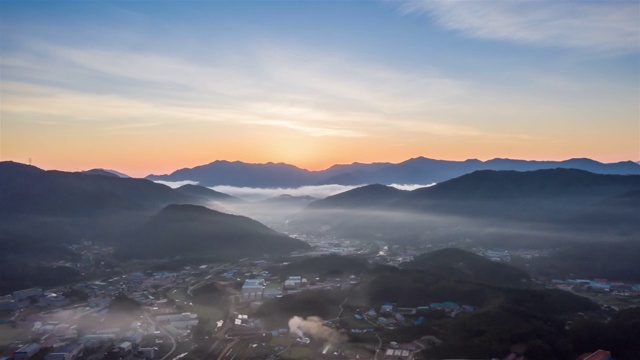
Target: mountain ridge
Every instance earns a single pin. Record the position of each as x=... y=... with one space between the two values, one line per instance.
x=417 y=170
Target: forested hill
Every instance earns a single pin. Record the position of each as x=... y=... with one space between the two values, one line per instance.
x=189 y=230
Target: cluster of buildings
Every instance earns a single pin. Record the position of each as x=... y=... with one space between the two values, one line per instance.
x=183 y=321
x=506 y=255
x=407 y=351
x=259 y=289
x=325 y=245
x=56 y=327
x=391 y=316
x=91 y=258
x=35 y=296
x=604 y=286
x=252 y=290
x=63 y=341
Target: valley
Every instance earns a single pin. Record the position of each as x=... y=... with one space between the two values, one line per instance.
x=539 y=264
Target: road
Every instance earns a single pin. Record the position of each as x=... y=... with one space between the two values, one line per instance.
x=341 y=309
x=174 y=344
x=228 y=322
x=203 y=282
x=227 y=349
x=379 y=348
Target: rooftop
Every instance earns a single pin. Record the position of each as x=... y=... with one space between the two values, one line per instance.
x=253 y=284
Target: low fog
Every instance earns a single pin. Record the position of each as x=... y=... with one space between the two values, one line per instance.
x=176 y=184
x=276 y=207
x=439 y=223
x=422 y=228
x=259 y=194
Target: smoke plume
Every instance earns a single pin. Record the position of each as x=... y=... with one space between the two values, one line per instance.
x=313 y=327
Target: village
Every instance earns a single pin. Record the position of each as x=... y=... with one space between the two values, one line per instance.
x=176 y=313
x=80 y=321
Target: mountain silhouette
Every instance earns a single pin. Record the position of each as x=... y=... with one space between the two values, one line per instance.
x=562 y=188
x=106 y=172
x=369 y=196
x=190 y=230
x=28 y=190
x=206 y=193
x=242 y=174
x=419 y=170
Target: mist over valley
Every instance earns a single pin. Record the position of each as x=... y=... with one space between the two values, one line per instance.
x=341 y=267
x=319 y=180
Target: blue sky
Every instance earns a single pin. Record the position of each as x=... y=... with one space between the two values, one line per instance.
x=145 y=86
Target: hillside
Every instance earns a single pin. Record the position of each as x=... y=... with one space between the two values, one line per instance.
x=100 y=172
x=28 y=190
x=42 y=211
x=502 y=317
x=369 y=196
x=106 y=172
x=326 y=265
x=554 y=195
x=602 y=259
x=544 y=209
x=467 y=266
x=513 y=185
x=188 y=230
x=205 y=193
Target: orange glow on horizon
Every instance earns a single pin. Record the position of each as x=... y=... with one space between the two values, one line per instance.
x=142 y=167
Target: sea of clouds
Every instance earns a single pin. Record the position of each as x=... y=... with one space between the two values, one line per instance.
x=258 y=194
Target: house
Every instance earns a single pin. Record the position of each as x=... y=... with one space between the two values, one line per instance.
x=293 y=282
x=7 y=303
x=252 y=289
x=147 y=353
x=70 y=351
x=26 y=352
x=396 y=354
x=386 y=308
x=24 y=294
x=135 y=337
x=272 y=291
x=176 y=317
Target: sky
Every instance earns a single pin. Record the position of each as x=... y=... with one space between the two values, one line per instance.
x=153 y=86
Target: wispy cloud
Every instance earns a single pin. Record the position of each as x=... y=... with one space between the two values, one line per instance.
x=311 y=130
x=291 y=88
x=611 y=26
x=73 y=105
x=349 y=82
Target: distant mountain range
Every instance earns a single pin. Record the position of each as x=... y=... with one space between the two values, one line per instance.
x=413 y=171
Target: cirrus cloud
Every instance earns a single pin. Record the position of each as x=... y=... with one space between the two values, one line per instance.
x=612 y=26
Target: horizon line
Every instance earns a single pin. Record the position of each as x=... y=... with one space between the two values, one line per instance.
x=30 y=163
